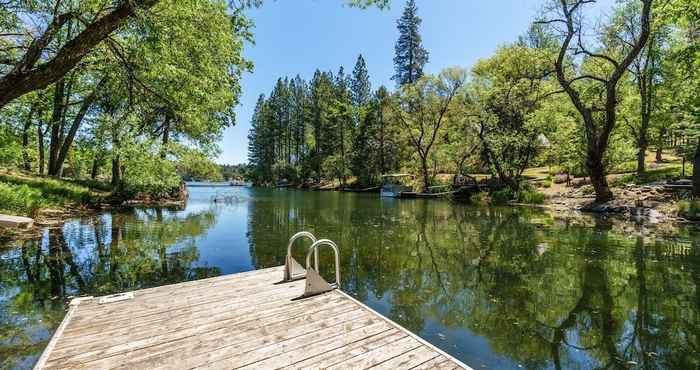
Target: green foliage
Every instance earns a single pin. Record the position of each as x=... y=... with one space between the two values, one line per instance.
x=649 y=176
x=285 y=171
x=410 y=56
x=505 y=96
x=236 y=171
x=168 y=77
x=689 y=209
x=195 y=165
x=360 y=86
x=146 y=172
x=334 y=168
x=503 y=196
x=22 y=194
x=422 y=110
x=530 y=197
x=10 y=149
x=527 y=195
x=20 y=199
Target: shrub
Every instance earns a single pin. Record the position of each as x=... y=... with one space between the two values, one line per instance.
x=530 y=197
x=147 y=173
x=20 y=199
x=547 y=184
x=52 y=191
x=282 y=170
x=478 y=199
x=689 y=209
x=502 y=196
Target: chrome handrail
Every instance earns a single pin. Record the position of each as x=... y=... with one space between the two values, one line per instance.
x=289 y=260
x=314 y=249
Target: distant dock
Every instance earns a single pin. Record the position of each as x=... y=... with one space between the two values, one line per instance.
x=248 y=320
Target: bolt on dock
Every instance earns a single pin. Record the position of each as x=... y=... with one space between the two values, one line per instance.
x=249 y=320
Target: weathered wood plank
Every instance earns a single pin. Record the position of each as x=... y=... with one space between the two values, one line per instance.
x=409 y=359
x=186 y=328
x=321 y=346
x=438 y=363
x=239 y=321
x=235 y=299
x=302 y=341
x=144 y=304
x=344 y=353
x=218 y=311
x=197 y=351
x=215 y=332
x=378 y=355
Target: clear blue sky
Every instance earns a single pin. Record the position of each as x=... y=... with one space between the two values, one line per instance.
x=297 y=36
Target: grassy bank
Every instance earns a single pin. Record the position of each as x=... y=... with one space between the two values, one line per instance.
x=25 y=194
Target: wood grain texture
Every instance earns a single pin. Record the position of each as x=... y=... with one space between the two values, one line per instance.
x=247 y=321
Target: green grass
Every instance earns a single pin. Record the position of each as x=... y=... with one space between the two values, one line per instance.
x=525 y=196
x=20 y=200
x=22 y=194
x=530 y=197
x=689 y=209
x=651 y=175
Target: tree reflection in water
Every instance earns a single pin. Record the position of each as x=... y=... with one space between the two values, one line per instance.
x=542 y=292
x=91 y=256
x=495 y=287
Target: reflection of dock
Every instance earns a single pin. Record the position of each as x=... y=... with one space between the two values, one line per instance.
x=245 y=320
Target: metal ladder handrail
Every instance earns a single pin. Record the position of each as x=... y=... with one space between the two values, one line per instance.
x=315 y=284
x=289 y=260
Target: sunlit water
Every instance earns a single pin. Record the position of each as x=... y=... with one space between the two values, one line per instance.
x=497 y=288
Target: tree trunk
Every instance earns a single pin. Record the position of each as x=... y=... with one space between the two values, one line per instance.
x=67 y=142
x=382 y=163
x=26 y=164
x=166 y=138
x=116 y=172
x=426 y=175
x=56 y=118
x=95 y=166
x=596 y=171
x=116 y=163
x=659 y=153
x=696 y=171
x=27 y=77
x=40 y=149
x=641 y=154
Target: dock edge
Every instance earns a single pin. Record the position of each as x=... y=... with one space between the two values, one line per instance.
x=74 y=303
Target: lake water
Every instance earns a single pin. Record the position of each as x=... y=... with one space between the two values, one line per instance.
x=498 y=288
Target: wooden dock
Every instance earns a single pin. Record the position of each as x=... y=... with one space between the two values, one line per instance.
x=247 y=321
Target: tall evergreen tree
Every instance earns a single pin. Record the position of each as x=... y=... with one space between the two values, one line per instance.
x=299 y=112
x=341 y=120
x=410 y=57
x=360 y=86
x=321 y=92
x=260 y=143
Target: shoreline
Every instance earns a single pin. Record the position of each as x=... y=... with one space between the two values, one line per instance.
x=646 y=205
x=50 y=218
x=657 y=216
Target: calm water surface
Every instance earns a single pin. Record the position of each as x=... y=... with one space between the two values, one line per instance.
x=497 y=288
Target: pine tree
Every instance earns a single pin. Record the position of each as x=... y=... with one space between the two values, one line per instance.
x=299 y=112
x=324 y=139
x=260 y=144
x=360 y=86
x=341 y=120
x=410 y=57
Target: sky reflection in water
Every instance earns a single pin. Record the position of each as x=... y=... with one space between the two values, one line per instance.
x=495 y=287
